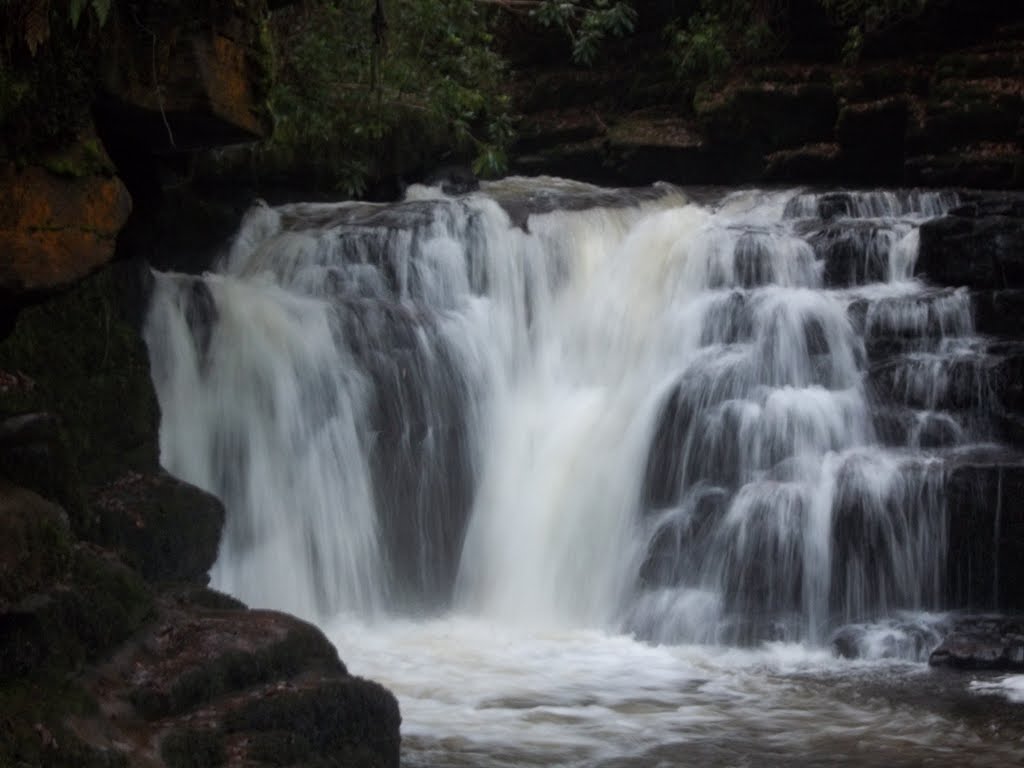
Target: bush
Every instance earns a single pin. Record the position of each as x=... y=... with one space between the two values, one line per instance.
x=370 y=96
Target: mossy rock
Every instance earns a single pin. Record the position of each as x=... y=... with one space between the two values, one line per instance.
x=350 y=722
x=35 y=453
x=166 y=528
x=234 y=660
x=35 y=544
x=32 y=730
x=97 y=605
x=79 y=357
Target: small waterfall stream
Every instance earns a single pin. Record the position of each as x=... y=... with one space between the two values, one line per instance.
x=549 y=416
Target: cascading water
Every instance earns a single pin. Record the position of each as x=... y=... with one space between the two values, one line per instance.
x=569 y=411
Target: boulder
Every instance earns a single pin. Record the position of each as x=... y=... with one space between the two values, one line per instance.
x=983 y=642
x=166 y=528
x=207 y=682
x=79 y=357
x=87 y=604
x=56 y=228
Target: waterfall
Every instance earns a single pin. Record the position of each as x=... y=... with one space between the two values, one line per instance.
x=557 y=405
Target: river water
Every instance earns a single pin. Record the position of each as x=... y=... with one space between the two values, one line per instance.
x=595 y=477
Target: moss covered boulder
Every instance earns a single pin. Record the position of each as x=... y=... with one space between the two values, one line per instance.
x=210 y=683
x=166 y=528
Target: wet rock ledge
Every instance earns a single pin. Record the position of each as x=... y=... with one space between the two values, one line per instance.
x=983 y=642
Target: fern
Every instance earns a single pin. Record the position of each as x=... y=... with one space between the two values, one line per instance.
x=37 y=25
x=102 y=9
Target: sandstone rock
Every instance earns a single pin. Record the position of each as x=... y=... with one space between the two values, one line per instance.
x=55 y=230
x=172 y=82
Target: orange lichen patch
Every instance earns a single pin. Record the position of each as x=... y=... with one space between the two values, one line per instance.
x=224 y=70
x=55 y=230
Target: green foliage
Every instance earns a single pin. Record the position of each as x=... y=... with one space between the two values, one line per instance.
x=866 y=18
x=100 y=7
x=47 y=64
x=724 y=33
x=370 y=105
x=588 y=23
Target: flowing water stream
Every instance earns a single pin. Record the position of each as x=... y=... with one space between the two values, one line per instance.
x=593 y=477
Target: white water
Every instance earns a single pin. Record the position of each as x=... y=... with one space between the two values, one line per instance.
x=645 y=420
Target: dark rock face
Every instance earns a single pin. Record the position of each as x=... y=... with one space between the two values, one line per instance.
x=258 y=687
x=80 y=358
x=182 y=81
x=986 y=538
x=141 y=517
x=983 y=642
x=453 y=180
x=950 y=115
x=968 y=247
x=871 y=139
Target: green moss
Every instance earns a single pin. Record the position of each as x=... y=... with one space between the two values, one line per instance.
x=35 y=533
x=83 y=158
x=32 y=712
x=111 y=601
x=354 y=721
x=281 y=748
x=235 y=670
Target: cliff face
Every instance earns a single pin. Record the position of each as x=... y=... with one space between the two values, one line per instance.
x=945 y=108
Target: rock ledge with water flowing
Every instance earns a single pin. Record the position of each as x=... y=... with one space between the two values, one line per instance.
x=983 y=642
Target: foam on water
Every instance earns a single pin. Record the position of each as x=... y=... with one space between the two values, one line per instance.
x=479 y=693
